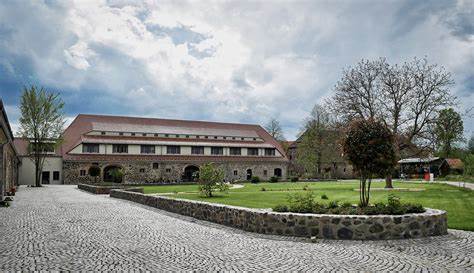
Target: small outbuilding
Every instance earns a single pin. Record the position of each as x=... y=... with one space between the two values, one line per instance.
x=438 y=166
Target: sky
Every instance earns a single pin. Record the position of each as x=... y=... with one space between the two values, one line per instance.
x=230 y=61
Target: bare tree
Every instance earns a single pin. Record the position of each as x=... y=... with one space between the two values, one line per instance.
x=274 y=129
x=318 y=140
x=406 y=98
x=42 y=122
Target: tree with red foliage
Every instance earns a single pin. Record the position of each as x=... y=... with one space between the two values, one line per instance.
x=369 y=147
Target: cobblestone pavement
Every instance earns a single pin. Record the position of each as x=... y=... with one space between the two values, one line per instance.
x=63 y=228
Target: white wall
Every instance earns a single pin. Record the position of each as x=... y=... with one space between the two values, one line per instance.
x=51 y=164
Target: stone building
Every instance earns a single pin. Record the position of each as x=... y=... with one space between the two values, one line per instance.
x=148 y=150
x=8 y=156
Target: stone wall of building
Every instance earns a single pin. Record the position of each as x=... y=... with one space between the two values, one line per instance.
x=356 y=227
x=143 y=172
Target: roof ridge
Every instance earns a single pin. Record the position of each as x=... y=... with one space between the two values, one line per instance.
x=166 y=119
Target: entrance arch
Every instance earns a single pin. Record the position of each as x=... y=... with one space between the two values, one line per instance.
x=113 y=173
x=249 y=174
x=277 y=172
x=191 y=173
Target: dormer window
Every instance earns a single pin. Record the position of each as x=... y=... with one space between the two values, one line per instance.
x=147 y=149
x=120 y=148
x=90 y=148
x=234 y=151
x=173 y=150
x=269 y=151
x=252 y=151
x=197 y=150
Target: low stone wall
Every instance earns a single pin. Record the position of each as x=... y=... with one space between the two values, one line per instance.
x=98 y=189
x=356 y=227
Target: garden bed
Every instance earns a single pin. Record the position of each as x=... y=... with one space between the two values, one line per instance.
x=357 y=227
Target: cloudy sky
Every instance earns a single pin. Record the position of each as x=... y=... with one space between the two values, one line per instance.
x=235 y=61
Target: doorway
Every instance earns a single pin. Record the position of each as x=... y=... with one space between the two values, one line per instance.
x=249 y=174
x=45 y=178
x=191 y=173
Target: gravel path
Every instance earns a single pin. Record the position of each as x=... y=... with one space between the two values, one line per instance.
x=63 y=228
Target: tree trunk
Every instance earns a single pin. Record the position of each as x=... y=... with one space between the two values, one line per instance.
x=37 y=174
x=388 y=182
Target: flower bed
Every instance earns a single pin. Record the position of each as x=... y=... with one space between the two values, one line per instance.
x=357 y=227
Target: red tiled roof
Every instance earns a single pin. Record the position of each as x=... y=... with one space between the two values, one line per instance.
x=83 y=124
x=455 y=163
x=21 y=146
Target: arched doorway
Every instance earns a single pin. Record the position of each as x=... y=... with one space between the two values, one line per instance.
x=277 y=172
x=113 y=173
x=191 y=173
x=249 y=174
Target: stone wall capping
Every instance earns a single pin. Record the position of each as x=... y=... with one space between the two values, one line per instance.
x=326 y=226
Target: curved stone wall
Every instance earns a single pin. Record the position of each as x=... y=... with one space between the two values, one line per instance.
x=356 y=227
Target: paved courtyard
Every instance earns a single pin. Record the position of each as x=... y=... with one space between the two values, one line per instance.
x=63 y=228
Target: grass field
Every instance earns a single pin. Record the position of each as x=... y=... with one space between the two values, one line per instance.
x=459 y=203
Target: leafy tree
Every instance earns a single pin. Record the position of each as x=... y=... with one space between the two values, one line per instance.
x=42 y=122
x=470 y=145
x=369 y=146
x=469 y=165
x=274 y=129
x=211 y=178
x=318 y=141
x=449 y=129
x=116 y=174
x=94 y=171
x=404 y=97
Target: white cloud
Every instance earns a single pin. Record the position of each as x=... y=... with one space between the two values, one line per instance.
x=229 y=61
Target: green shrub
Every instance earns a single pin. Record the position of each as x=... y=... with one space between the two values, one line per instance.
x=255 y=179
x=324 y=196
x=94 y=171
x=414 y=208
x=273 y=179
x=280 y=208
x=333 y=204
x=294 y=179
x=263 y=189
x=305 y=187
x=301 y=202
x=210 y=179
x=346 y=205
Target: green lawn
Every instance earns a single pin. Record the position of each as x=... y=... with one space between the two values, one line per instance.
x=459 y=203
